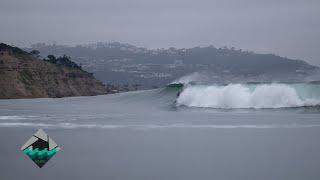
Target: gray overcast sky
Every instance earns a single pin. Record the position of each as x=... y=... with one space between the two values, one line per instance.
x=288 y=28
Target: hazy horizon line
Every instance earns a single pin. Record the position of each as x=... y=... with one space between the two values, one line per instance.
x=52 y=43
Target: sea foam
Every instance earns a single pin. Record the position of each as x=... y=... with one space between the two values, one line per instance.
x=245 y=96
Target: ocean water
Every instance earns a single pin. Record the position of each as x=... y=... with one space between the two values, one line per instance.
x=236 y=131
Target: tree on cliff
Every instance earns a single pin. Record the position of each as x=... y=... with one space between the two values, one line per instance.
x=63 y=60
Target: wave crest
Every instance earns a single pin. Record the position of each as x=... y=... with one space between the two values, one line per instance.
x=244 y=96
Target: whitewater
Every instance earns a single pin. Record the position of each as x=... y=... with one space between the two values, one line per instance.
x=190 y=131
x=273 y=95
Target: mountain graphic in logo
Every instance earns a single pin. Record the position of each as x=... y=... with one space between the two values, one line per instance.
x=40 y=148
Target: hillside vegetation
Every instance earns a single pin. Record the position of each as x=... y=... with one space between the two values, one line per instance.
x=146 y=68
x=22 y=75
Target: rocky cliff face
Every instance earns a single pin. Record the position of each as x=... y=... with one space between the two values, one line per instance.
x=24 y=76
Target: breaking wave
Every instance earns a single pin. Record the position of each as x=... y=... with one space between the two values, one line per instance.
x=250 y=96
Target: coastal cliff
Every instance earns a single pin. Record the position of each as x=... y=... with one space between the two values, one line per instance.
x=23 y=75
